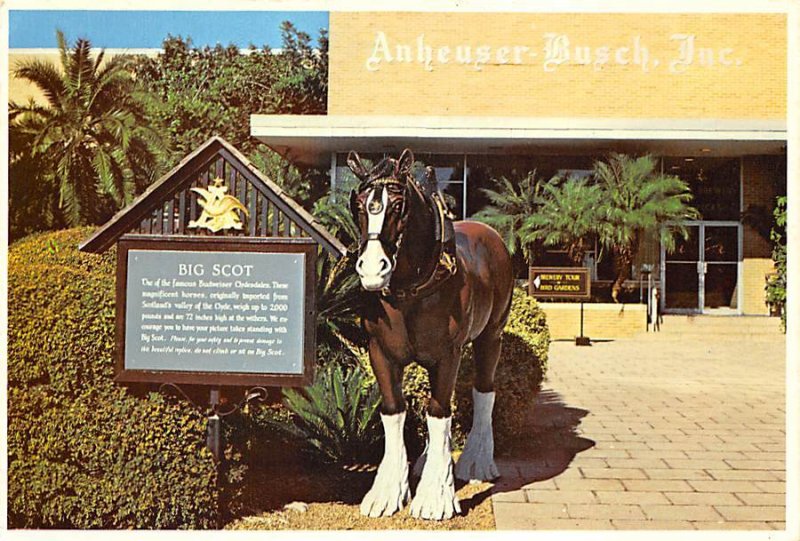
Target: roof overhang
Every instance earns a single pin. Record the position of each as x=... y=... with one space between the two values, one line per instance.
x=310 y=139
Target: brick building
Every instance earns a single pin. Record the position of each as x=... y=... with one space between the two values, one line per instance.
x=479 y=95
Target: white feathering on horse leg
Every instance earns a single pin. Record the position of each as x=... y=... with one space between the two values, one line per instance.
x=389 y=492
x=477 y=460
x=436 y=492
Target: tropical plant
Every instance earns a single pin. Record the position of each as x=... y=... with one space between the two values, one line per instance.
x=337 y=416
x=205 y=91
x=91 y=140
x=566 y=217
x=776 y=285
x=510 y=205
x=638 y=201
x=339 y=296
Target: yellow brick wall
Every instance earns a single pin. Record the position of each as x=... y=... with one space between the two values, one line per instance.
x=515 y=83
x=759 y=177
x=754 y=271
x=600 y=320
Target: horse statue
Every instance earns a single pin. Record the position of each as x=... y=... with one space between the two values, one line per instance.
x=436 y=286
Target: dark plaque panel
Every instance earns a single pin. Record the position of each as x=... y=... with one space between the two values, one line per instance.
x=215 y=311
x=560 y=282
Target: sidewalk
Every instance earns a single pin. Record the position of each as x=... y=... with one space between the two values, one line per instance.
x=653 y=433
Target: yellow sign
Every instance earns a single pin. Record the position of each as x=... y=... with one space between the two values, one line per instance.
x=592 y=65
x=219 y=209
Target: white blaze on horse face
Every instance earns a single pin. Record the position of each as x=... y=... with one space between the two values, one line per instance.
x=373 y=266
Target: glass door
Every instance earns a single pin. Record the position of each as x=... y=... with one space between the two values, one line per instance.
x=702 y=274
x=721 y=266
x=681 y=278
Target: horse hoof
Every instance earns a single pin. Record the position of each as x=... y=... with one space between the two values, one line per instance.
x=476 y=468
x=435 y=504
x=384 y=502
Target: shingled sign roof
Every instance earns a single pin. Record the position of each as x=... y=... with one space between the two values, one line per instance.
x=169 y=205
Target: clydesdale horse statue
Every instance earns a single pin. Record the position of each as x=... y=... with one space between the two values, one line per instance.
x=437 y=285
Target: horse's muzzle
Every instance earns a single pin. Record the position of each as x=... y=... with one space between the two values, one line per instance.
x=374 y=267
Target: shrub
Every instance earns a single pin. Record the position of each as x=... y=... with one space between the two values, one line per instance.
x=336 y=416
x=84 y=452
x=523 y=363
x=776 y=284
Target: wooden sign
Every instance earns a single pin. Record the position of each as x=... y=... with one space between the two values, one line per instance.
x=559 y=282
x=216 y=277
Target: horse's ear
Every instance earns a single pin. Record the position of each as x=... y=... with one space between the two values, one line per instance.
x=405 y=163
x=430 y=184
x=354 y=162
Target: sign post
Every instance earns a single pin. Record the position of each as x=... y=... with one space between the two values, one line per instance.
x=562 y=283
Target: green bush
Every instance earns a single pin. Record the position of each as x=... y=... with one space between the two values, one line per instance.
x=776 y=284
x=84 y=452
x=523 y=363
x=337 y=416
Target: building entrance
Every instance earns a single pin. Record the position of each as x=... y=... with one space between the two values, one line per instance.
x=702 y=274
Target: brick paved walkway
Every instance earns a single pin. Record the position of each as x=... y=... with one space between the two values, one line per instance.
x=653 y=433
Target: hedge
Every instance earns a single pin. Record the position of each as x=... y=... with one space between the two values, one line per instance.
x=84 y=452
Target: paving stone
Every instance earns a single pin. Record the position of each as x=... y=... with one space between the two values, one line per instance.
x=613 y=473
x=751 y=498
x=643 y=463
x=512 y=496
x=603 y=511
x=752 y=513
x=723 y=486
x=571 y=524
x=775 y=487
x=757 y=464
x=692 y=464
x=678 y=474
x=561 y=496
x=680 y=512
x=589 y=484
x=521 y=516
x=632 y=498
x=724 y=525
x=658 y=454
x=652 y=524
x=604 y=452
x=743 y=475
x=702 y=498
x=657 y=485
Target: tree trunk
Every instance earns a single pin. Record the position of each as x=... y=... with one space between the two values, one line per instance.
x=623 y=259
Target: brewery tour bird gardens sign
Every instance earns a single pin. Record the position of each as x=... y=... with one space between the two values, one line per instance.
x=215 y=280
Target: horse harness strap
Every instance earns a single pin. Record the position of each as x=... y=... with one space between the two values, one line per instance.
x=446 y=265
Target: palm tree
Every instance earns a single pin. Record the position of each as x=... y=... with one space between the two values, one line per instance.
x=91 y=138
x=567 y=216
x=510 y=205
x=639 y=201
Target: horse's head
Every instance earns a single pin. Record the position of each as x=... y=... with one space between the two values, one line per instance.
x=380 y=206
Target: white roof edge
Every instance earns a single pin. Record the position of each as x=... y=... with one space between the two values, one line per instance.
x=333 y=126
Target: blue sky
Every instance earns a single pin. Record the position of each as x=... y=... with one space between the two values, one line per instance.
x=147 y=29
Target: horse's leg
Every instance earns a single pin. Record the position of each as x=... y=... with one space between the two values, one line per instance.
x=435 y=498
x=477 y=460
x=389 y=492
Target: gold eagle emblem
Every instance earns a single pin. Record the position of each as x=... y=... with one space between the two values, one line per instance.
x=219 y=208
